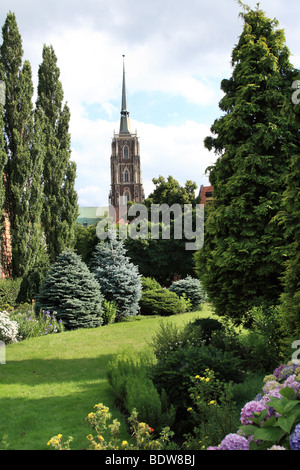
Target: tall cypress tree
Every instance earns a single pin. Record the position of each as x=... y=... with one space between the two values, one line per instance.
x=242 y=259
x=20 y=170
x=291 y=223
x=3 y=161
x=59 y=172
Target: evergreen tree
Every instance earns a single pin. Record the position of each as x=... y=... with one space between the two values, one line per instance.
x=242 y=259
x=291 y=218
x=59 y=173
x=71 y=290
x=118 y=278
x=23 y=168
x=3 y=161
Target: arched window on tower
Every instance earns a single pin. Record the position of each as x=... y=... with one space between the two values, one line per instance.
x=126 y=152
x=127 y=195
x=126 y=176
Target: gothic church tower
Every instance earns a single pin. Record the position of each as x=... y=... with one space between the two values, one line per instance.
x=125 y=165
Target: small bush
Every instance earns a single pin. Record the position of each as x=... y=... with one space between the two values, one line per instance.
x=109 y=312
x=149 y=283
x=9 y=292
x=205 y=327
x=161 y=302
x=132 y=387
x=193 y=290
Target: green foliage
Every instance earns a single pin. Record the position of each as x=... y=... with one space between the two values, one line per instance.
x=291 y=278
x=71 y=291
x=132 y=387
x=60 y=209
x=32 y=325
x=149 y=283
x=85 y=241
x=213 y=410
x=182 y=354
x=170 y=192
x=161 y=302
x=9 y=292
x=109 y=312
x=161 y=259
x=192 y=288
x=118 y=278
x=242 y=259
x=23 y=170
x=266 y=326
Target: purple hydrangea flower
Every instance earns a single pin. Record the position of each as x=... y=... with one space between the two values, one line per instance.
x=271 y=385
x=234 y=442
x=292 y=383
x=250 y=409
x=284 y=371
x=295 y=438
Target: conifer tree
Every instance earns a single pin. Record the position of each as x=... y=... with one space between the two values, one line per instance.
x=59 y=173
x=291 y=223
x=3 y=161
x=23 y=168
x=70 y=290
x=242 y=259
x=118 y=278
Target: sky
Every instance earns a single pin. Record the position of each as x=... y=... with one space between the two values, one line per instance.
x=176 y=55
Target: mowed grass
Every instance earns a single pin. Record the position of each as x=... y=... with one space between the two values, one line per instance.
x=49 y=384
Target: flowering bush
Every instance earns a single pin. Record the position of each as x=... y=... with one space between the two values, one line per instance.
x=213 y=410
x=31 y=325
x=272 y=420
x=9 y=330
x=141 y=432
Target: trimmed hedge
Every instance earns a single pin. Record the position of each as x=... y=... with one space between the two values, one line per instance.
x=161 y=302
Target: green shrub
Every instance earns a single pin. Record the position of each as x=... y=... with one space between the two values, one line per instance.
x=161 y=302
x=205 y=327
x=132 y=387
x=193 y=290
x=183 y=353
x=9 y=291
x=149 y=283
x=109 y=312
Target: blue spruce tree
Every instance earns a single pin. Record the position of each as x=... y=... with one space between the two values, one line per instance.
x=118 y=277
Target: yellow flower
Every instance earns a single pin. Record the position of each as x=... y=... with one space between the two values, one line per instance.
x=90 y=415
x=101 y=438
x=189 y=409
x=124 y=443
x=197 y=377
x=212 y=402
x=89 y=437
x=207 y=379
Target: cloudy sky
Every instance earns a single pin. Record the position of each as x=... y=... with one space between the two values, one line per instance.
x=176 y=54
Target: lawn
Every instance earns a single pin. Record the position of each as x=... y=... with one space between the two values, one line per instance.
x=49 y=384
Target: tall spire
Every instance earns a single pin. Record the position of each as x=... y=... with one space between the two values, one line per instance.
x=124 y=122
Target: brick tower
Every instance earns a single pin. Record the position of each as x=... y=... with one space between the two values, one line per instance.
x=125 y=164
